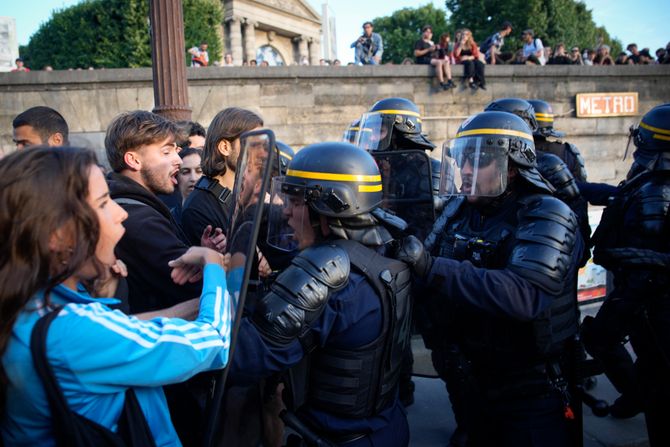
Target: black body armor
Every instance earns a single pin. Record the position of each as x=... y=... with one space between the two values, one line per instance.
x=567 y=152
x=528 y=235
x=353 y=383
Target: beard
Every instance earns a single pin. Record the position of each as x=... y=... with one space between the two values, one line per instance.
x=157 y=182
x=231 y=161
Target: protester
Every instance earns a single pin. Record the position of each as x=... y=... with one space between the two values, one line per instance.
x=228 y=60
x=369 y=48
x=39 y=125
x=560 y=57
x=20 y=65
x=623 y=59
x=576 y=56
x=533 y=50
x=189 y=174
x=200 y=56
x=211 y=200
x=634 y=53
x=603 y=57
x=466 y=52
x=58 y=245
x=491 y=48
x=426 y=52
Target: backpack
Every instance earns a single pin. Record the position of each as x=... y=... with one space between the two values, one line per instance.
x=73 y=429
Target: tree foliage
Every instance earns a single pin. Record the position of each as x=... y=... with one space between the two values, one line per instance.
x=114 y=34
x=553 y=21
x=402 y=29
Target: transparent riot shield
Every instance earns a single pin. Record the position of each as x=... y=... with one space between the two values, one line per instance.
x=408 y=188
x=255 y=164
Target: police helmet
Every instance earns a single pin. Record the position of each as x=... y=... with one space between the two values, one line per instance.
x=335 y=179
x=544 y=115
x=517 y=106
x=392 y=123
x=482 y=139
x=351 y=133
x=286 y=154
x=652 y=138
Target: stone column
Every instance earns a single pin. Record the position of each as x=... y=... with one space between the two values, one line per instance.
x=235 y=38
x=302 y=48
x=315 y=51
x=250 y=39
x=169 y=64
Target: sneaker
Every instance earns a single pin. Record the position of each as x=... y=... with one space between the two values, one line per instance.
x=473 y=86
x=449 y=84
x=482 y=86
x=625 y=407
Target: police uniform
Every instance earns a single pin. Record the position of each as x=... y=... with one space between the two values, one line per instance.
x=501 y=277
x=338 y=316
x=633 y=241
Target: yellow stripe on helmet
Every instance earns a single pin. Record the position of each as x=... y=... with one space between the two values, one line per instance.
x=545 y=117
x=370 y=188
x=661 y=137
x=334 y=177
x=397 y=112
x=506 y=132
x=654 y=129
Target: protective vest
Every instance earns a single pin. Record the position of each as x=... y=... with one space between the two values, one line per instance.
x=361 y=382
x=567 y=152
x=633 y=238
x=526 y=236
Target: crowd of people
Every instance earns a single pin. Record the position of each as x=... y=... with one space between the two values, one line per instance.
x=121 y=289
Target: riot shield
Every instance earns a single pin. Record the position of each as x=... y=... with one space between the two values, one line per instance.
x=408 y=189
x=255 y=164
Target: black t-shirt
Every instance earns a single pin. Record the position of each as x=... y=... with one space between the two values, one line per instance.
x=202 y=208
x=422 y=45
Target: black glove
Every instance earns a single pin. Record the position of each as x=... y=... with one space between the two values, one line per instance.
x=411 y=251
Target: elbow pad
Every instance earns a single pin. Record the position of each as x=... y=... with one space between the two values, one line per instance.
x=300 y=293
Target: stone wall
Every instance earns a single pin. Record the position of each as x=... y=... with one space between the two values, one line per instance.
x=309 y=104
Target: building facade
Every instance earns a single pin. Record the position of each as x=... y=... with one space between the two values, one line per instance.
x=281 y=32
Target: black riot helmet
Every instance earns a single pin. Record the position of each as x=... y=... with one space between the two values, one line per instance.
x=517 y=106
x=544 y=115
x=475 y=163
x=336 y=180
x=392 y=123
x=652 y=139
x=351 y=133
x=286 y=154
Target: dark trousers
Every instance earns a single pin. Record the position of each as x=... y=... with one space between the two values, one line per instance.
x=603 y=338
x=474 y=69
x=526 y=422
x=651 y=340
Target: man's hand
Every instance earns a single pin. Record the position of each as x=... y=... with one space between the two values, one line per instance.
x=215 y=240
x=412 y=252
x=188 y=267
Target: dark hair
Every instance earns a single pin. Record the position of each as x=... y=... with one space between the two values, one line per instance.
x=368 y=23
x=41 y=191
x=130 y=130
x=426 y=27
x=189 y=151
x=505 y=25
x=187 y=129
x=228 y=125
x=45 y=120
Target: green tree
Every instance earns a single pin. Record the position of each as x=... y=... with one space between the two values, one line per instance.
x=114 y=34
x=553 y=21
x=402 y=29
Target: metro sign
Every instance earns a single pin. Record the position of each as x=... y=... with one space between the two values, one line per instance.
x=593 y=105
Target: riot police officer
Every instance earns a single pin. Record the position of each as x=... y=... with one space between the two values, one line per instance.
x=633 y=242
x=351 y=134
x=392 y=132
x=559 y=168
x=567 y=152
x=499 y=269
x=339 y=315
